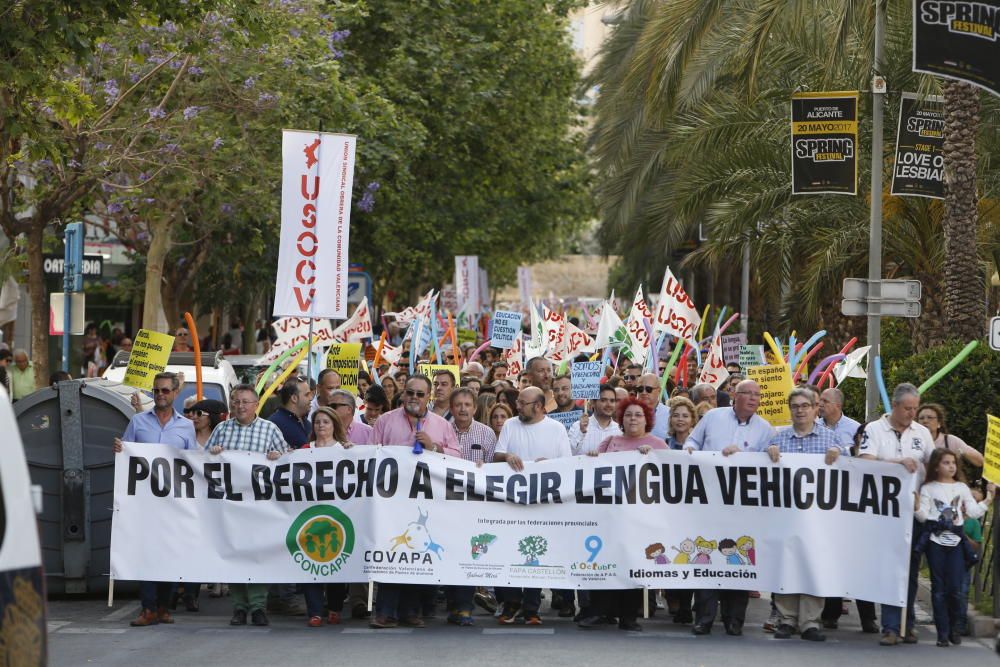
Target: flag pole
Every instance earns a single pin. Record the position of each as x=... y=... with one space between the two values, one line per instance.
x=309 y=354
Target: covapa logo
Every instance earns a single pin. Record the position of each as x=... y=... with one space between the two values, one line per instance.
x=321 y=540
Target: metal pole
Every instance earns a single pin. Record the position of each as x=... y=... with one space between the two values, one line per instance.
x=68 y=270
x=309 y=355
x=745 y=290
x=875 y=238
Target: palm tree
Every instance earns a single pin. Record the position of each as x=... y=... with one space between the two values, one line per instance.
x=692 y=127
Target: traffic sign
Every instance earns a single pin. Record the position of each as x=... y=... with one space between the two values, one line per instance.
x=861 y=307
x=895 y=298
x=892 y=290
x=995 y=334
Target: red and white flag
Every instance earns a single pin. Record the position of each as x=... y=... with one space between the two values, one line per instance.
x=357 y=327
x=675 y=311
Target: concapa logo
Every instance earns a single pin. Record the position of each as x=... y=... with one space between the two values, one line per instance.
x=320 y=540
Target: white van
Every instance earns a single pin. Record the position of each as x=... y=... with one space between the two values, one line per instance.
x=22 y=582
x=218 y=376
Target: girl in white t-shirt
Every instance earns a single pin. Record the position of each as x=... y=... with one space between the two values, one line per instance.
x=945 y=502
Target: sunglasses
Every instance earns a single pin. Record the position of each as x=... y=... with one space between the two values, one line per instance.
x=415 y=394
x=199 y=413
x=646 y=389
x=341 y=405
x=161 y=390
x=633 y=378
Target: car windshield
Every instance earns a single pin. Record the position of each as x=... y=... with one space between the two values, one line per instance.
x=213 y=391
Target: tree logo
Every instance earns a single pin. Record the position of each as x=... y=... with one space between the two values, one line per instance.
x=531 y=547
x=321 y=540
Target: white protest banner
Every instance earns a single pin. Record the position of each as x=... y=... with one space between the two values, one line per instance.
x=484 y=291
x=713 y=371
x=449 y=299
x=675 y=311
x=537 y=344
x=357 y=327
x=524 y=284
x=506 y=328
x=751 y=355
x=567 y=418
x=514 y=356
x=411 y=313
x=731 y=347
x=554 y=324
x=586 y=377
x=467 y=283
x=317 y=174
x=663 y=520
x=638 y=335
x=611 y=332
x=290 y=331
x=577 y=341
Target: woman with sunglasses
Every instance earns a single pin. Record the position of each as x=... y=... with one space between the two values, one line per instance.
x=328 y=431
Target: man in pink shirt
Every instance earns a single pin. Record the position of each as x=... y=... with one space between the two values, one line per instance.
x=413 y=422
x=403 y=427
x=343 y=403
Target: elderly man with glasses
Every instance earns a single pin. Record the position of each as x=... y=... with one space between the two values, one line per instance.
x=163 y=425
x=182 y=341
x=647 y=390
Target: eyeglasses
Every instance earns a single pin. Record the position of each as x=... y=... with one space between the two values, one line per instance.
x=521 y=404
x=632 y=378
x=162 y=390
x=755 y=394
x=243 y=402
x=415 y=394
x=341 y=405
x=646 y=389
x=199 y=413
x=801 y=406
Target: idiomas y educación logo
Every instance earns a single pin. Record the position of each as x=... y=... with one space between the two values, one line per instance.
x=320 y=540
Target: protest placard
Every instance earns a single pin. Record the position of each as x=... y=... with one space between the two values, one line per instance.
x=149 y=355
x=430 y=369
x=345 y=358
x=567 y=418
x=467 y=336
x=751 y=355
x=586 y=376
x=775 y=385
x=731 y=345
x=506 y=328
x=991 y=465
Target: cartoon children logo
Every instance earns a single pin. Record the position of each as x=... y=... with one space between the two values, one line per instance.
x=745 y=545
x=684 y=552
x=481 y=544
x=704 y=548
x=657 y=553
x=416 y=537
x=532 y=547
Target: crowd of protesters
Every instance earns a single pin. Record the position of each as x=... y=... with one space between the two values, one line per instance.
x=489 y=415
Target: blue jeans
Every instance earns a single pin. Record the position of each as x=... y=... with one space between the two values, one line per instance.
x=397 y=600
x=963 y=601
x=529 y=599
x=460 y=598
x=947 y=565
x=321 y=597
x=892 y=616
x=154 y=594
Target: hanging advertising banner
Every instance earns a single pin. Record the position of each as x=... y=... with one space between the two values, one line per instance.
x=958 y=40
x=824 y=143
x=524 y=284
x=467 y=284
x=919 y=167
x=317 y=174
x=622 y=520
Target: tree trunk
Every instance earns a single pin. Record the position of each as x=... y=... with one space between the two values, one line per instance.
x=39 y=305
x=964 y=289
x=159 y=245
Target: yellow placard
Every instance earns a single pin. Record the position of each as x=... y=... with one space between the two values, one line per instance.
x=345 y=358
x=150 y=352
x=430 y=369
x=775 y=385
x=991 y=464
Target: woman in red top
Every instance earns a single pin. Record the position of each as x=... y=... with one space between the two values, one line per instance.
x=636 y=421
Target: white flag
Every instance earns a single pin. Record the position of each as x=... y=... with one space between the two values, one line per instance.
x=611 y=331
x=577 y=341
x=317 y=173
x=851 y=365
x=714 y=371
x=514 y=356
x=411 y=313
x=675 y=312
x=524 y=286
x=467 y=283
x=536 y=345
x=358 y=326
x=636 y=326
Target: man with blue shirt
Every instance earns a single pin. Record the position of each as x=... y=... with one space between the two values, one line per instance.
x=162 y=425
x=730 y=431
x=647 y=389
x=805 y=436
x=296 y=401
x=831 y=415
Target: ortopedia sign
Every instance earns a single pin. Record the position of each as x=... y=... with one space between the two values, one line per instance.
x=663 y=520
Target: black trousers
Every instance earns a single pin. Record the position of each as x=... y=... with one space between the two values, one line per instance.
x=734 y=606
x=832 y=608
x=625 y=604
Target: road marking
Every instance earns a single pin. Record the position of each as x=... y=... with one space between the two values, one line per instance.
x=380 y=631
x=257 y=630
x=119 y=614
x=92 y=631
x=519 y=631
x=55 y=625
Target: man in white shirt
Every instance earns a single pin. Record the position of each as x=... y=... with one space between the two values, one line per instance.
x=531 y=437
x=898 y=438
x=586 y=434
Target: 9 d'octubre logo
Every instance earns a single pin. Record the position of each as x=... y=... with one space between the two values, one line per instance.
x=321 y=540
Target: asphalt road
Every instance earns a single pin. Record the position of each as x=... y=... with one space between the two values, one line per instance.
x=87 y=632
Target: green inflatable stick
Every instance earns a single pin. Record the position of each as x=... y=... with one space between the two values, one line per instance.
x=277 y=362
x=959 y=358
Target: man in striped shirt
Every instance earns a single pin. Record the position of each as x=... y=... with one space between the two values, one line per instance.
x=247 y=432
x=804 y=436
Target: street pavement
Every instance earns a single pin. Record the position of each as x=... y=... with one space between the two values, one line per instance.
x=87 y=632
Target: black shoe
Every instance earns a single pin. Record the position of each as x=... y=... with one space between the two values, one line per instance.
x=734 y=629
x=784 y=631
x=360 y=611
x=701 y=629
x=568 y=610
x=683 y=619
x=629 y=625
x=591 y=622
x=869 y=628
x=258 y=617
x=830 y=624
x=955 y=637
x=557 y=601
x=239 y=618
x=813 y=635
x=943 y=643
